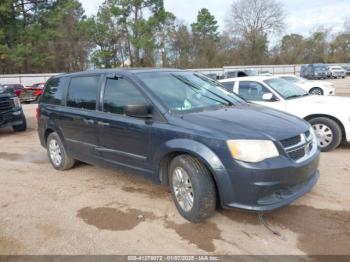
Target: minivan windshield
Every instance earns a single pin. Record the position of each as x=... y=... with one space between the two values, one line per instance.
x=188 y=92
x=286 y=89
x=321 y=67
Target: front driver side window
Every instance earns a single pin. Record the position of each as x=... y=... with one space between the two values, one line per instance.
x=118 y=94
x=252 y=91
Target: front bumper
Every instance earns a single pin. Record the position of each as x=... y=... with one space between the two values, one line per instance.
x=338 y=74
x=270 y=185
x=11 y=118
x=329 y=91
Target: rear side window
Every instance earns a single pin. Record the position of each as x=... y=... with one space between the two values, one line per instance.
x=118 y=94
x=54 y=91
x=82 y=92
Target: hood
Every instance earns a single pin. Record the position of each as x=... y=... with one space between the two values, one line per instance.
x=338 y=101
x=322 y=104
x=6 y=95
x=318 y=83
x=247 y=121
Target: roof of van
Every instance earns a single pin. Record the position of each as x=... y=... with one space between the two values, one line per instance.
x=121 y=70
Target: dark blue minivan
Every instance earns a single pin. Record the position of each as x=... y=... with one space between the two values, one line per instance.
x=179 y=129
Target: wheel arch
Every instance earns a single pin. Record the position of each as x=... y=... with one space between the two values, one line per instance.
x=52 y=129
x=316 y=87
x=309 y=117
x=195 y=149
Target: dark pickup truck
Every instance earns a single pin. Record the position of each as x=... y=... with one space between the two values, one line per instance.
x=11 y=113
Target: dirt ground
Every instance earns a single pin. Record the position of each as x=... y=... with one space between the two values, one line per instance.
x=91 y=210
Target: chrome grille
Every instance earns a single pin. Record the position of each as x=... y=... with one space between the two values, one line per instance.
x=5 y=104
x=298 y=147
x=291 y=141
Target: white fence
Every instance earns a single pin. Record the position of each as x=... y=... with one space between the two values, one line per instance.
x=273 y=69
x=29 y=79
x=26 y=79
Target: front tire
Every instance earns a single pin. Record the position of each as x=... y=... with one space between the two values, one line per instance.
x=57 y=153
x=192 y=188
x=316 y=91
x=328 y=133
x=22 y=127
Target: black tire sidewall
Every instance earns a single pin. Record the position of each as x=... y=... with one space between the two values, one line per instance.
x=316 y=88
x=22 y=127
x=202 y=185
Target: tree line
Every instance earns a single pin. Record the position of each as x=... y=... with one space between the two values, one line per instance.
x=38 y=36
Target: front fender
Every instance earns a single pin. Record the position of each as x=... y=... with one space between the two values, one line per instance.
x=206 y=155
x=192 y=147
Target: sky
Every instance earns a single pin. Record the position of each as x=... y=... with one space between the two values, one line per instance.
x=302 y=16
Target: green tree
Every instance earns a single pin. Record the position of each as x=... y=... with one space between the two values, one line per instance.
x=181 y=47
x=340 y=48
x=205 y=38
x=206 y=26
x=292 y=49
x=42 y=36
x=317 y=47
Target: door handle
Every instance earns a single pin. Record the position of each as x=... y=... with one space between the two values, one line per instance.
x=89 y=121
x=102 y=123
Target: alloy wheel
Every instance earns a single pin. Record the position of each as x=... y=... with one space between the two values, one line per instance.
x=317 y=91
x=55 y=152
x=182 y=188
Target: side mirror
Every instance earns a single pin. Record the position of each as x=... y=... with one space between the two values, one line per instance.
x=139 y=110
x=268 y=97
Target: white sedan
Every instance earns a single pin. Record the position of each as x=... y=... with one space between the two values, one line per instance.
x=311 y=86
x=329 y=115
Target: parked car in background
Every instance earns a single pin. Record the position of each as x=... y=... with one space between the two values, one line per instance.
x=315 y=71
x=14 y=88
x=264 y=73
x=11 y=114
x=347 y=69
x=329 y=115
x=239 y=73
x=180 y=129
x=337 y=71
x=311 y=86
x=32 y=93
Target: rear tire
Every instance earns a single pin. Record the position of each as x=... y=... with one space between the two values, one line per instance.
x=198 y=185
x=22 y=127
x=57 y=153
x=328 y=133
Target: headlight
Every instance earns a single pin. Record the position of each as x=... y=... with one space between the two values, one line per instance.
x=252 y=151
x=16 y=102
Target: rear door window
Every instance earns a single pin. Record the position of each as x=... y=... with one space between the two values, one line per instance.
x=54 y=90
x=83 y=92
